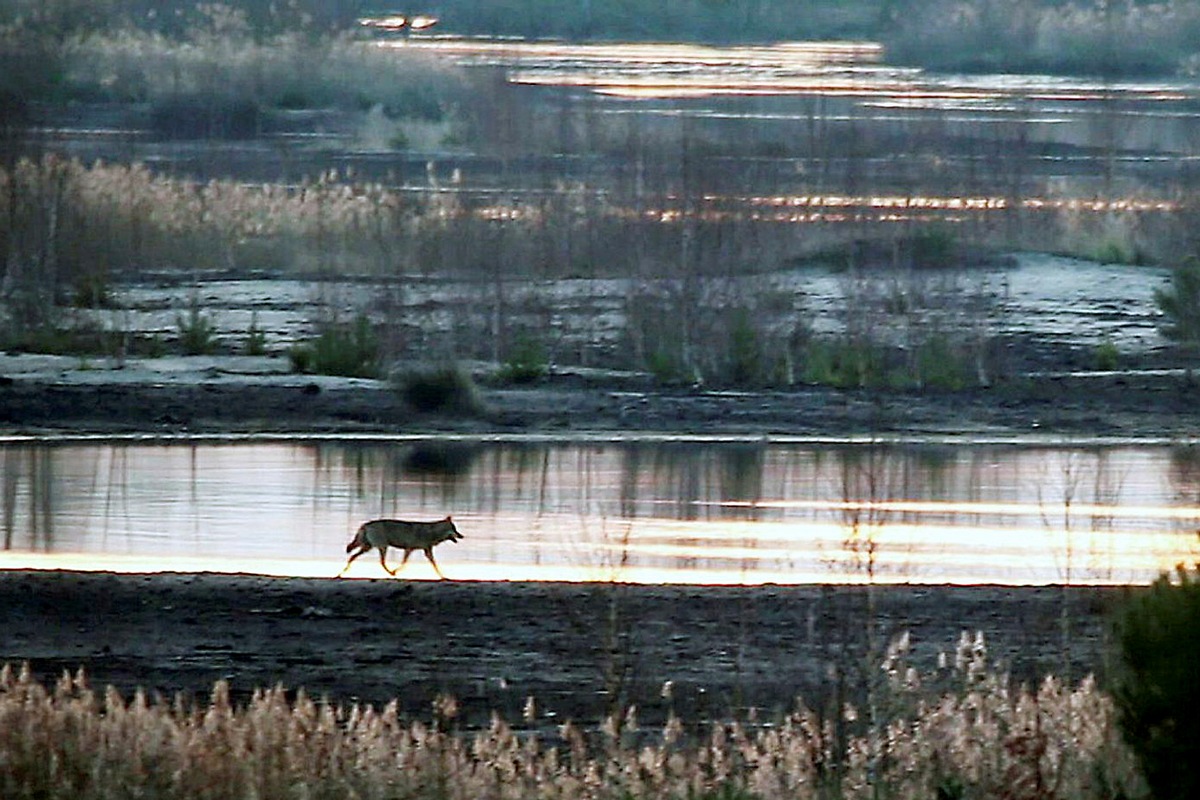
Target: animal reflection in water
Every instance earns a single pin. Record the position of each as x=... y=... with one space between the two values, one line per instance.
x=403 y=535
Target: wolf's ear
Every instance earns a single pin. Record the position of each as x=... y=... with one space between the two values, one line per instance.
x=447 y=518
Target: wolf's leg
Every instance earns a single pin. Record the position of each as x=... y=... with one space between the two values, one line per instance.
x=429 y=555
x=403 y=561
x=383 y=561
x=350 y=560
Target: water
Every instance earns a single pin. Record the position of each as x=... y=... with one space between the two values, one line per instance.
x=850 y=80
x=650 y=511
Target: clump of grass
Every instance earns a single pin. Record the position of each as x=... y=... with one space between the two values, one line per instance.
x=746 y=358
x=431 y=388
x=842 y=364
x=1180 y=303
x=1108 y=356
x=939 y=366
x=60 y=341
x=351 y=351
x=197 y=332
x=526 y=362
x=256 y=337
x=935 y=363
x=962 y=729
x=666 y=367
x=935 y=247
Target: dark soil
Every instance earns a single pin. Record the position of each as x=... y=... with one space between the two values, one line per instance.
x=580 y=650
x=1142 y=405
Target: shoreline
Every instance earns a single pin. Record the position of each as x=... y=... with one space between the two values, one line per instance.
x=1098 y=407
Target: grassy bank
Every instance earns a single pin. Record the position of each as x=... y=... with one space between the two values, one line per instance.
x=963 y=732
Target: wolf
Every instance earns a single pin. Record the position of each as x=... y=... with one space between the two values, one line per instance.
x=404 y=535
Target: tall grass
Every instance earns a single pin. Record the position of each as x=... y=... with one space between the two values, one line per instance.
x=962 y=732
x=221 y=56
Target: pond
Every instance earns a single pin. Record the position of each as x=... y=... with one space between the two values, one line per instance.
x=650 y=511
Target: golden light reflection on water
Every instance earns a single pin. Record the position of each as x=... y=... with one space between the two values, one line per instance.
x=679 y=513
x=809 y=209
x=740 y=553
x=668 y=71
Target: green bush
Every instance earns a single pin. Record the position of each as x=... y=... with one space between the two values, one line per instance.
x=440 y=388
x=526 y=362
x=1157 y=694
x=666 y=367
x=745 y=366
x=67 y=341
x=197 y=333
x=351 y=351
x=939 y=366
x=1108 y=357
x=934 y=247
x=256 y=338
x=843 y=364
x=1181 y=303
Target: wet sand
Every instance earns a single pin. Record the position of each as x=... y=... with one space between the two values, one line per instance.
x=578 y=649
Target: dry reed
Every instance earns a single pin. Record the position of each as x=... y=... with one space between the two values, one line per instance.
x=973 y=736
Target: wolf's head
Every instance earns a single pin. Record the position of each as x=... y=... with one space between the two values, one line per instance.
x=447 y=532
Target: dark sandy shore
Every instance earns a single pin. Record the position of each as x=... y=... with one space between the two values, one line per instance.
x=576 y=648
x=1113 y=406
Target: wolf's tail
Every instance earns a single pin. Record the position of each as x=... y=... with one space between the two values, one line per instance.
x=359 y=539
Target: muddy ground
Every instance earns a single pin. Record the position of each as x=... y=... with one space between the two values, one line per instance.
x=1154 y=405
x=577 y=649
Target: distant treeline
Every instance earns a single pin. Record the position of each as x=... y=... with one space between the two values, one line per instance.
x=1133 y=37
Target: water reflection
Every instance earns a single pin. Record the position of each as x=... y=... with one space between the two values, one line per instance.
x=647 y=512
x=665 y=70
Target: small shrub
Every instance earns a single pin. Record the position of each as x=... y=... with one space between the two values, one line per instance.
x=398 y=141
x=934 y=247
x=1180 y=304
x=351 y=351
x=440 y=388
x=526 y=363
x=842 y=364
x=49 y=340
x=256 y=338
x=745 y=353
x=92 y=290
x=1114 y=251
x=1157 y=695
x=939 y=366
x=197 y=333
x=666 y=367
x=301 y=358
x=1108 y=357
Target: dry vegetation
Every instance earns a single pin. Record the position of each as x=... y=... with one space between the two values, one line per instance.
x=74 y=231
x=963 y=731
